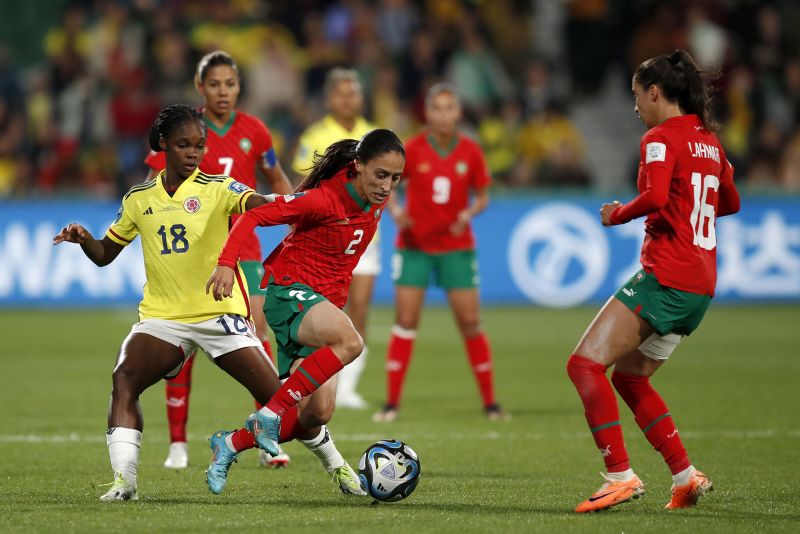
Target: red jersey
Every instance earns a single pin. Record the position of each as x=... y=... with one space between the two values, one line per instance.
x=233 y=151
x=684 y=183
x=438 y=187
x=333 y=227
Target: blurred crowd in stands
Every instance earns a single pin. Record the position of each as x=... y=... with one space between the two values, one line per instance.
x=73 y=120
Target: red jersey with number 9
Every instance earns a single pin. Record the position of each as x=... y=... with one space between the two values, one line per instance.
x=234 y=151
x=438 y=184
x=684 y=182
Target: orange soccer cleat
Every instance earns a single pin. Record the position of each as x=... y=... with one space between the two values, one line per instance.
x=686 y=496
x=611 y=494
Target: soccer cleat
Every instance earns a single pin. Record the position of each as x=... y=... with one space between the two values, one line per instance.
x=686 y=496
x=221 y=461
x=495 y=413
x=612 y=493
x=267 y=430
x=386 y=415
x=351 y=401
x=347 y=480
x=267 y=460
x=120 y=490
x=178 y=457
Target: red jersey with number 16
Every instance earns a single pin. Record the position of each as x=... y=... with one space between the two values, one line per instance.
x=233 y=150
x=333 y=226
x=684 y=183
x=438 y=185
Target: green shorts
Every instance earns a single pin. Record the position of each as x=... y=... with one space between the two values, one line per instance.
x=666 y=309
x=451 y=270
x=253 y=272
x=285 y=307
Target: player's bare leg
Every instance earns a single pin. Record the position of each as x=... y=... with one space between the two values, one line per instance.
x=143 y=360
x=466 y=311
x=358 y=302
x=408 y=311
x=614 y=333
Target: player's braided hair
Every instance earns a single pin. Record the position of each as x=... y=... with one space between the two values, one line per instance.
x=170 y=118
x=342 y=154
x=213 y=59
x=681 y=81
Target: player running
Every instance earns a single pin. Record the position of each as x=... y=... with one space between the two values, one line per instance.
x=237 y=143
x=182 y=218
x=335 y=211
x=684 y=183
x=344 y=99
x=435 y=238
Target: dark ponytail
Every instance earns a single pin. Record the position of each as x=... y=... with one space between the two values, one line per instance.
x=170 y=118
x=681 y=81
x=342 y=154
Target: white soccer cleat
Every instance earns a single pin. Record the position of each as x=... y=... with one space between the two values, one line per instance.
x=267 y=460
x=350 y=400
x=178 y=457
x=121 y=490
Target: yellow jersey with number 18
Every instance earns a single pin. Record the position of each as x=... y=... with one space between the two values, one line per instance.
x=182 y=236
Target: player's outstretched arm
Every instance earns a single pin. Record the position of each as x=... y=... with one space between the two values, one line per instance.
x=221 y=282
x=101 y=252
x=254 y=201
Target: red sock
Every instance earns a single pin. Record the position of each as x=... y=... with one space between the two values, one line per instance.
x=480 y=358
x=178 y=390
x=398 y=355
x=268 y=349
x=243 y=439
x=315 y=370
x=602 y=412
x=653 y=417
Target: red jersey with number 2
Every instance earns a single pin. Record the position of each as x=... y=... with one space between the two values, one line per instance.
x=438 y=187
x=684 y=183
x=233 y=151
x=333 y=227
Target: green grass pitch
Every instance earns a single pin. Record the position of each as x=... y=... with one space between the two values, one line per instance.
x=732 y=388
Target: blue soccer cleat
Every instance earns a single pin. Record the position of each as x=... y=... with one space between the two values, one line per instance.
x=267 y=430
x=217 y=472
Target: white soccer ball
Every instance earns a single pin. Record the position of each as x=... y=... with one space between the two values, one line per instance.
x=389 y=470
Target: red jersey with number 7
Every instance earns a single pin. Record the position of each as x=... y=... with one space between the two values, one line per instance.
x=333 y=226
x=233 y=150
x=684 y=183
x=438 y=185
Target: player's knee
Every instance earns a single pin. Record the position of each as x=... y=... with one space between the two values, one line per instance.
x=122 y=380
x=470 y=327
x=318 y=413
x=351 y=346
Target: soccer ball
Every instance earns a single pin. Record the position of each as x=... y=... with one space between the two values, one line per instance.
x=389 y=470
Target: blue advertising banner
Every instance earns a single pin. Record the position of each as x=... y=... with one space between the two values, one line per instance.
x=543 y=251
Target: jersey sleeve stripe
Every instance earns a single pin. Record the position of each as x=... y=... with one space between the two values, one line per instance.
x=142 y=187
x=243 y=200
x=117 y=238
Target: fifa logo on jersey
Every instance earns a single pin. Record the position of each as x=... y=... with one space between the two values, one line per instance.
x=191 y=205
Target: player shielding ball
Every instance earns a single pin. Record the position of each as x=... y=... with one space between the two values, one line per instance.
x=685 y=183
x=443 y=169
x=335 y=213
x=182 y=218
x=236 y=144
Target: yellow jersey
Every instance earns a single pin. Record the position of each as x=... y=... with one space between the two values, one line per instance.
x=322 y=134
x=182 y=236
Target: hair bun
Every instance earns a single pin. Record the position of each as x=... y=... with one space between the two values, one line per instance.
x=675 y=57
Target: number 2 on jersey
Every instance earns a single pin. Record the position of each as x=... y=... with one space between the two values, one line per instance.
x=358 y=235
x=702 y=212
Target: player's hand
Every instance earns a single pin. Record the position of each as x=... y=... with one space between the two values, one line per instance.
x=72 y=233
x=221 y=283
x=462 y=220
x=606 y=210
x=401 y=219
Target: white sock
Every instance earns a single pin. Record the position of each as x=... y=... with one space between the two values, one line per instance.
x=621 y=476
x=123 y=449
x=683 y=478
x=325 y=449
x=351 y=373
x=266 y=411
